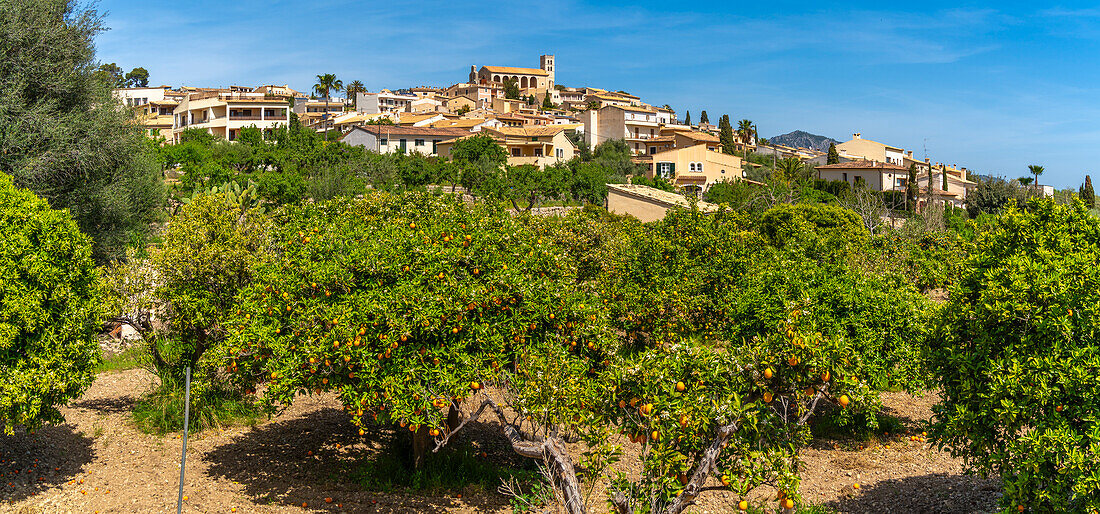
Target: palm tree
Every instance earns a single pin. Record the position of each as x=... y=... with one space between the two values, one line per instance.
x=1036 y=170
x=326 y=83
x=792 y=169
x=745 y=131
x=354 y=87
x=1025 y=181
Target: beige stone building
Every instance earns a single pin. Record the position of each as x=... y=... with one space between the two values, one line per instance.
x=864 y=149
x=635 y=125
x=647 y=203
x=481 y=94
x=283 y=91
x=155 y=118
x=880 y=176
x=541 y=146
x=539 y=79
x=224 y=112
x=457 y=103
x=693 y=168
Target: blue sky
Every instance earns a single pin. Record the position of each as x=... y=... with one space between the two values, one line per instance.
x=993 y=87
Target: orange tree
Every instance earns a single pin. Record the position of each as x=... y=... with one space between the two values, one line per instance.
x=665 y=279
x=734 y=414
x=405 y=305
x=1016 y=354
x=49 y=309
x=715 y=277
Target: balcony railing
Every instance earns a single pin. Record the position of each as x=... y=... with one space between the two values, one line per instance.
x=207 y=120
x=273 y=117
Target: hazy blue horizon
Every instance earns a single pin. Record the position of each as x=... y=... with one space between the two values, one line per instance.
x=991 y=87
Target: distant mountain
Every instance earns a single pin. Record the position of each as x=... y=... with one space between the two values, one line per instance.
x=800 y=139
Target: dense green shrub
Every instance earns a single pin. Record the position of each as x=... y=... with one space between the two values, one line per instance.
x=821 y=230
x=710 y=277
x=930 y=259
x=281 y=187
x=1017 y=355
x=49 y=309
x=750 y=401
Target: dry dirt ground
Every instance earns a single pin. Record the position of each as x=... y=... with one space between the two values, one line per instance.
x=98 y=462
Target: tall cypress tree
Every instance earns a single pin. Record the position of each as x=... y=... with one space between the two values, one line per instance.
x=1088 y=196
x=687 y=117
x=725 y=134
x=833 y=157
x=703 y=117
x=911 y=190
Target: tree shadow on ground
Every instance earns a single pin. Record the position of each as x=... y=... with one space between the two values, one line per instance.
x=940 y=493
x=829 y=434
x=320 y=456
x=110 y=405
x=31 y=463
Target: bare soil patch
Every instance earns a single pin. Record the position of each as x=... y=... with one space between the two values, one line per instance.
x=99 y=462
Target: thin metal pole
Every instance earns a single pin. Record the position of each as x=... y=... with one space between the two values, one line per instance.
x=186 y=422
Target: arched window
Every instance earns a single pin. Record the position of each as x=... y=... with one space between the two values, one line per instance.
x=496 y=78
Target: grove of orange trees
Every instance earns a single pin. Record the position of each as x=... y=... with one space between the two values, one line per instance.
x=409 y=305
x=712 y=341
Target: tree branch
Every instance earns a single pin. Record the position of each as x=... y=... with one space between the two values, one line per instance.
x=551 y=450
x=706 y=466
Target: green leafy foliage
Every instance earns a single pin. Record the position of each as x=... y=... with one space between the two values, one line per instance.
x=49 y=309
x=478 y=149
x=750 y=402
x=1016 y=354
x=993 y=195
x=62 y=134
x=822 y=231
x=207 y=254
x=406 y=304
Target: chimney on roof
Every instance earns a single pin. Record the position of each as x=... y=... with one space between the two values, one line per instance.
x=927 y=161
x=857 y=135
x=910 y=154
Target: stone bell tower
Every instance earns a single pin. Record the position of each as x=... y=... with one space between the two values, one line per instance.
x=546 y=62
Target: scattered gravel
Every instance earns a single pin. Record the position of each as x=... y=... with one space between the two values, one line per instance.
x=99 y=462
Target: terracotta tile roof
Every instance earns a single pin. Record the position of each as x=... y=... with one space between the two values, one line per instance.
x=665 y=198
x=529 y=131
x=405 y=117
x=892 y=147
x=517 y=71
x=391 y=130
x=697 y=136
x=862 y=165
x=460 y=123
